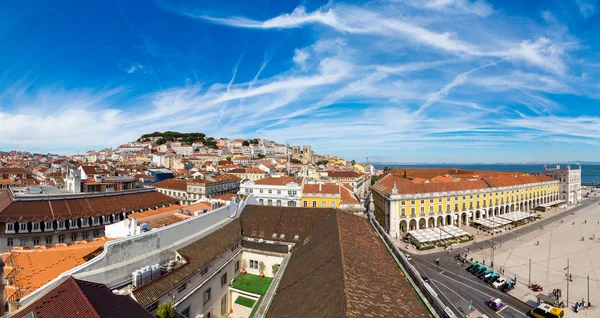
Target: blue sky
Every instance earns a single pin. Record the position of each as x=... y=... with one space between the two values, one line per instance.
x=401 y=80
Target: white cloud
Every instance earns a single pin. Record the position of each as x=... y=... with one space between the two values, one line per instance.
x=476 y=7
x=587 y=8
x=300 y=57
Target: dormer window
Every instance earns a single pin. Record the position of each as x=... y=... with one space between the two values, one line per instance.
x=105 y=219
x=282 y=236
x=61 y=225
x=10 y=228
x=48 y=226
x=85 y=222
x=23 y=228
x=73 y=224
x=96 y=220
x=36 y=227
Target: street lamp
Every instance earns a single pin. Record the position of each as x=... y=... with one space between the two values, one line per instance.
x=568 y=278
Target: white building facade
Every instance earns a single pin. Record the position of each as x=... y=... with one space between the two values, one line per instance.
x=275 y=191
x=570 y=182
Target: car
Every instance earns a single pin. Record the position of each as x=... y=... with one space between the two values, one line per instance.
x=499 y=282
x=486 y=276
x=472 y=266
x=479 y=269
x=482 y=274
x=492 y=278
x=508 y=285
x=425 y=278
x=495 y=303
x=408 y=257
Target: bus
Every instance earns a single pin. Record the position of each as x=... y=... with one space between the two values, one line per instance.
x=547 y=311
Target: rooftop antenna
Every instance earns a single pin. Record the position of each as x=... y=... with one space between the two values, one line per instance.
x=287 y=144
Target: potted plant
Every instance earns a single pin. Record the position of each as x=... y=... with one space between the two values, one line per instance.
x=244 y=266
x=261 y=269
x=275 y=268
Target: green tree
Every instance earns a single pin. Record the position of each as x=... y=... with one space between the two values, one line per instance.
x=245 y=143
x=260 y=156
x=353 y=162
x=386 y=168
x=374 y=179
x=228 y=158
x=165 y=310
x=404 y=175
x=295 y=161
x=161 y=141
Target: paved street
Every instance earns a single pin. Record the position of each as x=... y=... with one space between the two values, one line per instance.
x=460 y=287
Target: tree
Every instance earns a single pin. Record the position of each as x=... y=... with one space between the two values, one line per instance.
x=404 y=175
x=228 y=158
x=374 y=179
x=275 y=268
x=295 y=161
x=260 y=156
x=353 y=162
x=386 y=168
x=245 y=143
x=165 y=310
x=261 y=267
x=161 y=141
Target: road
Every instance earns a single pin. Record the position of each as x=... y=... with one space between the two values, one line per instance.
x=457 y=288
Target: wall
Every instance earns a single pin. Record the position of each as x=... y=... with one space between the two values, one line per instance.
x=121 y=257
x=328 y=200
x=269 y=258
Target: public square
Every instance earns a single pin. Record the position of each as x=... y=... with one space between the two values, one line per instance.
x=575 y=238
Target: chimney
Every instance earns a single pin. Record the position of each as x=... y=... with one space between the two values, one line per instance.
x=320 y=184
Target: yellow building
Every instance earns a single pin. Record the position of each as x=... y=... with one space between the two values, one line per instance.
x=329 y=195
x=436 y=197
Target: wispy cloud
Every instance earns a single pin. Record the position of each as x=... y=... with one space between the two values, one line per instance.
x=587 y=8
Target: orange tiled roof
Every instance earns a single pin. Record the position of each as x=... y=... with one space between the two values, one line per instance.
x=39 y=266
x=278 y=181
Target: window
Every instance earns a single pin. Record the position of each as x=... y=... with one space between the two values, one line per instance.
x=23 y=242
x=403 y=202
x=305 y=203
x=422 y=201
x=22 y=227
x=333 y=204
x=323 y=204
x=269 y=202
x=403 y=212
x=206 y=296
x=36 y=240
x=261 y=202
x=422 y=210
x=223 y=280
x=412 y=212
x=85 y=222
x=9 y=242
x=292 y=193
x=10 y=227
x=36 y=226
x=72 y=224
x=61 y=225
x=278 y=202
x=61 y=238
x=181 y=287
x=274 y=235
x=84 y=235
x=262 y=234
x=430 y=200
x=254 y=264
x=152 y=306
x=186 y=312
x=314 y=204
x=282 y=236
x=224 y=305
x=261 y=190
x=96 y=220
x=96 y=233
x=270 y=191
x=237 y=266
x=73 y=237
x=106 y=219
x=49 y=239
x=278 y=191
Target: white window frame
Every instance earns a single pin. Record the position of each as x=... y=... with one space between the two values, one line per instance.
x=34 y=225
x=96 y=220
x=73 y=224
x=48 y=226
x=59 y=227
x=21 y=229
x=106 y=219
x=85 y=222
x=10 y=227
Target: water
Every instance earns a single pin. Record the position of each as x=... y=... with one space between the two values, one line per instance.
x=590 y=174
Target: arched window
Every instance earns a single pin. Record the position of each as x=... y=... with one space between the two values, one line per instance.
x=269 y=202
x=314 y=204
x=306 y=204
x=278 y=202
x=261 y=202
x=291 y=203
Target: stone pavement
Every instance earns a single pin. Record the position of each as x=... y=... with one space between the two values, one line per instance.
x=558 y=241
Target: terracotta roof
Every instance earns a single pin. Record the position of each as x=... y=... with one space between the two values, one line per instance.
x=175 y=184
x=35 y=268
x=77 y=206
x=78 y=298
x=343 y=174
x=198 y=255
x=324 y=188
x=14 y=171
x=255 y=171
x=333 y=255
x=94 y=170
x=269 y=220
x=405 y=186
x=278 y=181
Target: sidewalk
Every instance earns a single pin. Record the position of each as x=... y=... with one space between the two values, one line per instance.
x=480 y=236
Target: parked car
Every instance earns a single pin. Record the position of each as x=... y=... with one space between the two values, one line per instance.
x=472 y=266
x=492 y=278
x=486 y=276
x=479 y=269
x=408 y=257
x=495 y=304
x=499 y=282
x=482 y=274
x=510 y=284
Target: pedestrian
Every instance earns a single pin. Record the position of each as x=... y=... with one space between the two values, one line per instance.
x=571 y=277
x=515 y=278
x=483 y=262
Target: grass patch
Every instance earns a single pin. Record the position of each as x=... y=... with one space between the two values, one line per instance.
x=252 y=283
x=246 y=302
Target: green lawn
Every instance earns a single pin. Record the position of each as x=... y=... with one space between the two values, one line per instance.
x=252 y=283
x=246 y=302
